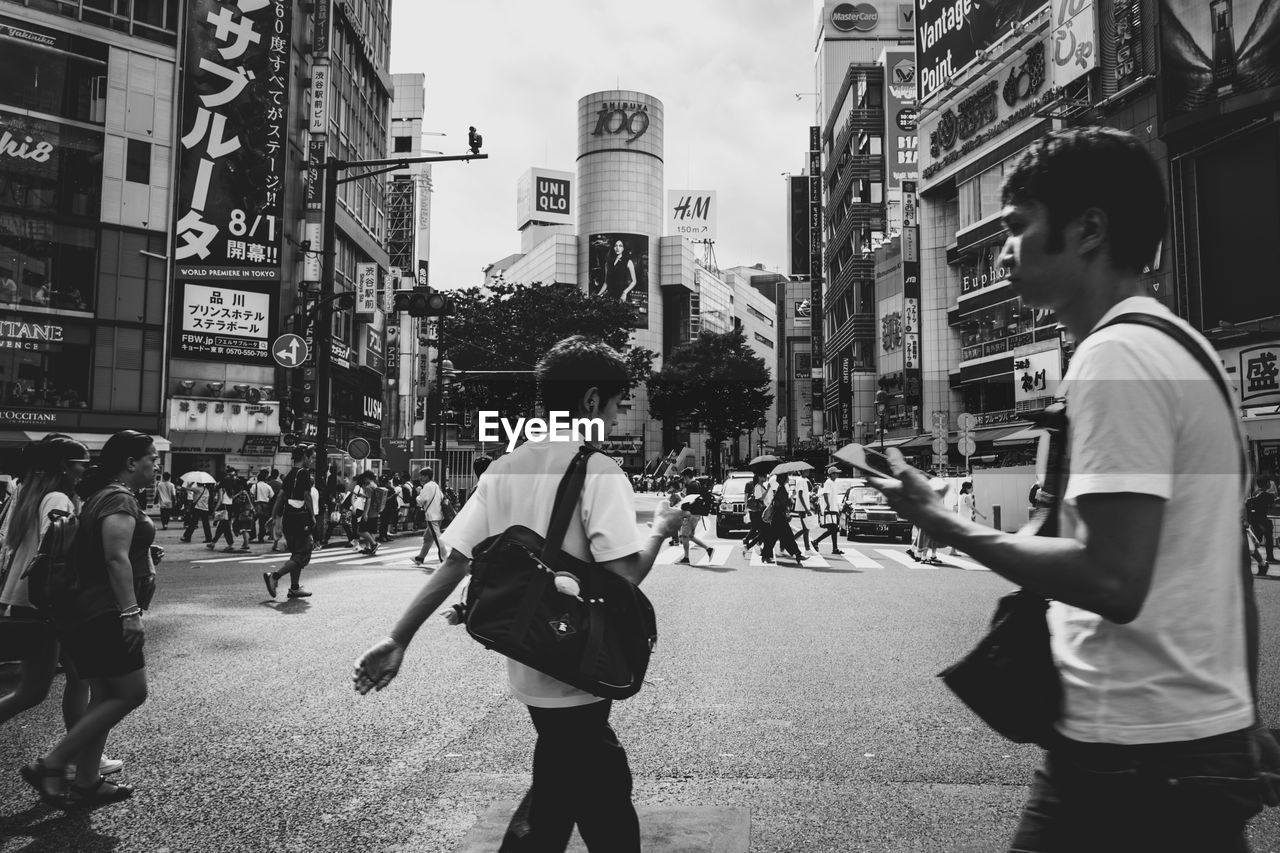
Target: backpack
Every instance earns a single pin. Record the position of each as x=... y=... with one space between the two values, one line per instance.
x=242 y=506
x=52 y=579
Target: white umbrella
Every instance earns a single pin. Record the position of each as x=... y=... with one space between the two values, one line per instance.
x=197 y=477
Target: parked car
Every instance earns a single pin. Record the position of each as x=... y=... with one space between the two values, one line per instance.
x=867 y=513
x=731 y=514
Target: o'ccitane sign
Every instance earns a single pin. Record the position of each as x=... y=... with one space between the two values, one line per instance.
x=32 y=337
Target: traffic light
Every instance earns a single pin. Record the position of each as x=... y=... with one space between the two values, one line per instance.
x=423 y=303
x=474 y=140
x=302 y=399
x=345 y=300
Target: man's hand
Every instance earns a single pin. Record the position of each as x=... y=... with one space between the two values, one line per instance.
x=378 y=666
x=666 y=519
x=911 y=496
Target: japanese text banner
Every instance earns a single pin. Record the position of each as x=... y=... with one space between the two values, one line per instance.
x=235 y=91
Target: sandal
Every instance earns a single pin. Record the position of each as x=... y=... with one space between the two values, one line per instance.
x=37 y=774
x=93 y=796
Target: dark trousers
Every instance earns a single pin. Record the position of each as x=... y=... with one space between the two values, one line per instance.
x=263 y=512
x=832 y=530
x=1266 y=534
x=385 y=520
x=198 y=516
x=580 y=776
x=224 y=529
x=166 y=513
x=756 y=533
x=778 y=532
x=1188 y=797
x=297 y=533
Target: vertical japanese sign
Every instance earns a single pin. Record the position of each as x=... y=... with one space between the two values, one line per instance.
x=815 y=275
x=366 y=288
x=235 y=93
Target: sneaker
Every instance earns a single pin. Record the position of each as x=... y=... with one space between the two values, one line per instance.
x=912 y=554
x=767 y=560
x=210 y=545
x=711 y=552
x=837 y=553
x=299 y=592
x=418 y=561
x=106 y=767
x=244 y=549
x=684 y=561
x=271 y=581
x=185 y=541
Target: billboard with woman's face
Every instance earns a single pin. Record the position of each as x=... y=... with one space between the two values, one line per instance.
x=619 y=266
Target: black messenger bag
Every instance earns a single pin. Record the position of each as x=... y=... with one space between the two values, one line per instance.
x=598 y=640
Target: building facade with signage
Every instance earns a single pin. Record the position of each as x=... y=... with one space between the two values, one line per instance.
x=988 y=87
x=861 y=152
x=86 y=139
x=251 y=115
x=1218 y=114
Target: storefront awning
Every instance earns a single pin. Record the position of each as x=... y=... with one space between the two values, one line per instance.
x=1023 y=435
x=992 y=433
x=891 y=442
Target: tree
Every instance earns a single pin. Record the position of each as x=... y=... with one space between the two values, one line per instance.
x=511 y=326
x=714 y=383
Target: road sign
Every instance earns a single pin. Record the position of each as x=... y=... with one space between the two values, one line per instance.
x=966 y=446
x=966 y=422
x=289 y=350
x=940 y=445
x=359 y=448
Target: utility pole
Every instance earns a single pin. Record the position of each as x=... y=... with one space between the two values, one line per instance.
x=322 y=331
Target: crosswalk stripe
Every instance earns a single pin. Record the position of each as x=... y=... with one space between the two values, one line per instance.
x=900 y=557
x=858 y=559
x=967 y=565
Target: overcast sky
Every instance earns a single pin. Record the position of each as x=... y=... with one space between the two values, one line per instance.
x=726 y=72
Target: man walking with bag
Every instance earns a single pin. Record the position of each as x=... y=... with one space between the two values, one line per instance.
x=580 y=770
x=429 y=501
x=1154 y=746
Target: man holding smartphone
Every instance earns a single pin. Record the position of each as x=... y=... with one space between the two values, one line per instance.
x=1152 y=750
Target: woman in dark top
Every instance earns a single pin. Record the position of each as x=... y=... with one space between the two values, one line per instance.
x=103 y=631
x=619 y=273
x=295 y=512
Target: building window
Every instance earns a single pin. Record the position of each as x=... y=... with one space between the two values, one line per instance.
x=137 y=164
x=403 y=144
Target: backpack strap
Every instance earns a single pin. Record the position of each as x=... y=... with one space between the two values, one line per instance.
x=1173 y=330
x=567 y=495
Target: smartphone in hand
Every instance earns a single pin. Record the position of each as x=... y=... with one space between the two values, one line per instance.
x=864 y=459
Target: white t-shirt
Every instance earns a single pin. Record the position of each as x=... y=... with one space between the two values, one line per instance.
x=429 y=500
x=165 y=493
x=966 y=506
x=262 y=492
x=832 y=501
x=15 y=587
x=520 y=488
x=800 y=489
x=1145 y=418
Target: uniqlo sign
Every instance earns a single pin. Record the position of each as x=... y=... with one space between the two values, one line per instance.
x=234 y=140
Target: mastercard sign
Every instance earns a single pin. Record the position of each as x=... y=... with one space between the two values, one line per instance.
x=848 y=17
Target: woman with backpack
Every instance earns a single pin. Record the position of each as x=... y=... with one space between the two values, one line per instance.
x=102 y=626
x=53 y=466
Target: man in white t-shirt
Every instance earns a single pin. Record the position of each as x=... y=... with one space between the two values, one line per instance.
x=580 y=771
x=829 y=497
x=1151 y=750
x=430 y=501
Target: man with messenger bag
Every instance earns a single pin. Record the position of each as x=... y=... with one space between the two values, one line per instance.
x=1156 y=743
x=580 y=770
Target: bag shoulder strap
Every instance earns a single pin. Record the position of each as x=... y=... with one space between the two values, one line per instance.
x=1180 y=335
x=567 y=495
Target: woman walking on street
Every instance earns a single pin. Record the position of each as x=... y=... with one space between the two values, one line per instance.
x=295 y=514
x=755 y=494
x=102 y=628
x=778 y=527
x=54 y=467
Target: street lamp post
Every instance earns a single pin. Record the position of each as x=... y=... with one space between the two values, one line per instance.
x=442 y=434
x=760 y=427
x=882 y=404
x=322 y=337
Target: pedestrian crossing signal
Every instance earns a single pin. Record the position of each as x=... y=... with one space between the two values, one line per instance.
x=422 y=303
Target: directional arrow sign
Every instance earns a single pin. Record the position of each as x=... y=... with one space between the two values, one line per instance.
x=289 y=350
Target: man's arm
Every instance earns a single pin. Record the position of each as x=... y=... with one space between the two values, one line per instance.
x=635 y=567
x=380 y=664
x=1110 y=574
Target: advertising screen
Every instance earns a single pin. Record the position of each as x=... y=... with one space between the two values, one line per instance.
x=620 y=268
x=1214 y=51
x=235 y=95
x=949 y=34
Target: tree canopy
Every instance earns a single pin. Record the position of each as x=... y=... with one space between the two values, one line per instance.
x=714 y=383
x=510 y=326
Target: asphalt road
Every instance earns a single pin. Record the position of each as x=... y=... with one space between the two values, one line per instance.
x=806 y=695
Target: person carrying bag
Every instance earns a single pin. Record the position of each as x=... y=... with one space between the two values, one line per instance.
x=545 y=548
